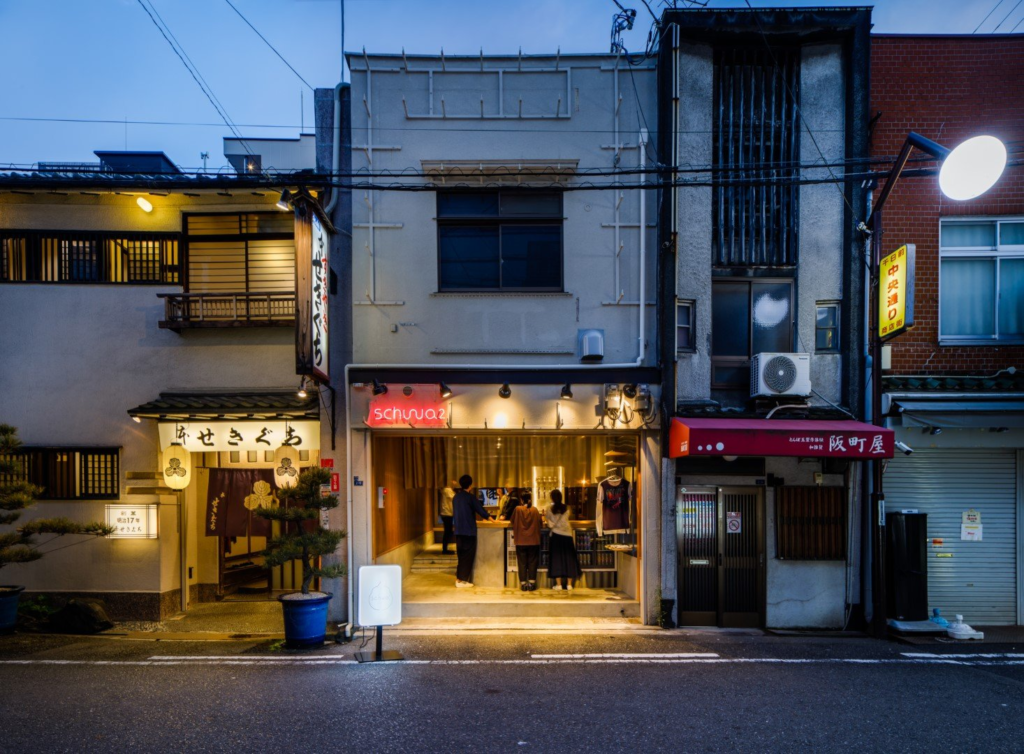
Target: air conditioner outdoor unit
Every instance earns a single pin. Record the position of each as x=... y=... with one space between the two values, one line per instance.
x=780 y=374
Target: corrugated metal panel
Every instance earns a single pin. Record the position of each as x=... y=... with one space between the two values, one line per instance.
x=979 y=581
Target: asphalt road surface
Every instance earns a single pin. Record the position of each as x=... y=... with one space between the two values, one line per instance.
x=679 y=691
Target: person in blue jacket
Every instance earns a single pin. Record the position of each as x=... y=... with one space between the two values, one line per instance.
x=466 y=508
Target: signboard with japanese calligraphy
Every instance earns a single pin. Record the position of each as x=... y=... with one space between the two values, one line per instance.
x=312 y=280
x=896 y=292
x=778 y=437
x=133 y=521
x=416 y=406
x=198 y=435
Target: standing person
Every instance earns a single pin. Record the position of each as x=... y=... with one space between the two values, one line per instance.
x=447 y=495
x=512 y=501
x=563 y=563
x=466 y=508
x=526 y=531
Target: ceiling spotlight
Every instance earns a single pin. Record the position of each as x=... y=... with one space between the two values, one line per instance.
x=284 y=202
x=144 y=204
x=567 y=392
x=629 y=391
x=446 y=392
x=505 y=391
x=378 y=388
x=301 y=392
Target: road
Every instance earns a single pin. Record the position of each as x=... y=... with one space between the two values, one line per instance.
x=679 y=691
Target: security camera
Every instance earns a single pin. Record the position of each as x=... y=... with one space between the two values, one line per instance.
x=903 y=448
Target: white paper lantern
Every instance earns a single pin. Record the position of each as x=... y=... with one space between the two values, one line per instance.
x=177 y=467
x=286 y=466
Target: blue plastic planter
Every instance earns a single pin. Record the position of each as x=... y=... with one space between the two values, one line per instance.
x=305 y=621
x=9 y=606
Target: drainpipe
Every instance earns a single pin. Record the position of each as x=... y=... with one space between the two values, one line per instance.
x=336 y=149
x=867 y=478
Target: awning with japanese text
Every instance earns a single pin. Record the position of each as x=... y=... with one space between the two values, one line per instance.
x=779 y=437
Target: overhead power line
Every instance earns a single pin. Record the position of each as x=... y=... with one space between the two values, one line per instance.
x=998 y=3
x=249 y=24
x=1007 y=16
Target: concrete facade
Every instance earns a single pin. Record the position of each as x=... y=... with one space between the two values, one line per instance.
x=830 y=95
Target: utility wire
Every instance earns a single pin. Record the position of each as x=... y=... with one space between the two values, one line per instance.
x=998 y=3
x=249 y=23
x=192 y=69
x=1017 y=24
x=1007 y=16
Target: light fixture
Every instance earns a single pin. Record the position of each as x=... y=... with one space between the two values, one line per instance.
x=137 y=420
x=286 y=467
x=935 y=431
x=972 y=168
x=629 y=391
x=302 y=392
x=505 y=391
x=379 y=389
x=446 y=392
x=283 y=202
x=177 y=467
x=567 y=392
x=144 y=204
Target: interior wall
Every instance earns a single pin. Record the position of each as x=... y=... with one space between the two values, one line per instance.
x=407 y=513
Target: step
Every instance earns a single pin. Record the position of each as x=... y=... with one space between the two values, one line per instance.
x=433 y=569
x=525 y=625
x=553 y=608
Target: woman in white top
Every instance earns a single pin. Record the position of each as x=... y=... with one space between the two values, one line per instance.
x=563 y=563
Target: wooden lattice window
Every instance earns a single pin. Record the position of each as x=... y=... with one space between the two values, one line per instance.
x=810 y=523
x=70 y=473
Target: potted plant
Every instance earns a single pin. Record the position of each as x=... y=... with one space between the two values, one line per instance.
x=305 y=539
x=18 y=545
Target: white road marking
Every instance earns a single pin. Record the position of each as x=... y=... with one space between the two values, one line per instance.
x=257 y=661
x=629 y=655
x=929 y=655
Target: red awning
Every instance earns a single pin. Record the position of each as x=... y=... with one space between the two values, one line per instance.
x=778 y=437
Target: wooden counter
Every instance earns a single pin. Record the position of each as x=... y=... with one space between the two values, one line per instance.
x=489 y=567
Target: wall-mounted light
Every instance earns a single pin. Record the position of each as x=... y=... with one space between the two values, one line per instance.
x=144 y=204
x=379 y=389
x=446 y=392
x=505 y=391
x=935 y=431
x=302 y=392
x=137 y=420
x=567 y=392
x=284 y=202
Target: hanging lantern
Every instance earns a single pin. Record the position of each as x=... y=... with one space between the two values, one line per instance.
x=286 y=466
x=177 y=467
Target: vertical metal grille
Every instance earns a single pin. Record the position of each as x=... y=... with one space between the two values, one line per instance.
x=756 y=149
x=70 y=473
x=810 y=523
x=698 y=555
x=740 y=571
x=88 y=257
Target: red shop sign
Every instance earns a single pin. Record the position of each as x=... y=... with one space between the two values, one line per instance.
x=779 y=437
x=423 y=407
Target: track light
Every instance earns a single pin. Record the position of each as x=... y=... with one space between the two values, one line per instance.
x=284 y=202
x=629 y=391
x=378 y=388
x=505 y=391
x=446 y=392
x=567 y=392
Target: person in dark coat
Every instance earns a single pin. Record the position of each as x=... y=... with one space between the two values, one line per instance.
x=526 y=523
x=563 y=563
x=466 y=508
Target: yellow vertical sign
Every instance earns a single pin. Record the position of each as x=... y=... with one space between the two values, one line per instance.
x=896 y=292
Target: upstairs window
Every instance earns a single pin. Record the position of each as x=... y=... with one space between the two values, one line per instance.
x=755 y=146
x=981 y=281
x=499 y=241
x=31 y=256
x=748 y=317
x=253 y=252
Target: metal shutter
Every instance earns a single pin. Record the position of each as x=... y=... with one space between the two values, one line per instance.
x=980 y=580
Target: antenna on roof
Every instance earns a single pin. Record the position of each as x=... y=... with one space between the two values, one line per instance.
x=204 y=156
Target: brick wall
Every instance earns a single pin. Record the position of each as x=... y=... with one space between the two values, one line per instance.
x=947 y=89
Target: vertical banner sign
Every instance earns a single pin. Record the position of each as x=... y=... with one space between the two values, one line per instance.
x=312 y=288
x=896 y=292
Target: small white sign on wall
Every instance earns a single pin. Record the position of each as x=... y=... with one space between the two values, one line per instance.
x=133 y=521
x=380 y=595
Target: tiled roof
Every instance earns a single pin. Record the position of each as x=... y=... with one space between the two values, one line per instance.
x=29 y=180
x=280 y=404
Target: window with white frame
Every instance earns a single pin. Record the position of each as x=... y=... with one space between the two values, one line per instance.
x=981 y=280
x=685 y=336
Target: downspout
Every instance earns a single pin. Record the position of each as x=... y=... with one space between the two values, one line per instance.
x=335 y=150
x=867 y=479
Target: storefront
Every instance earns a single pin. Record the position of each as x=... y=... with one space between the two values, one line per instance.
x=410 y=445
x=767 y=514
x=964 y=475
x=221 y=457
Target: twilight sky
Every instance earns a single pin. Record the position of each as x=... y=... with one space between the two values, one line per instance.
x=106 y=60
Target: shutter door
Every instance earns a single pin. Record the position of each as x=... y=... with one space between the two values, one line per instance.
x=979 y=581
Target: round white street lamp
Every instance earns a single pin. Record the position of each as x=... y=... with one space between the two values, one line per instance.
x=972 y=168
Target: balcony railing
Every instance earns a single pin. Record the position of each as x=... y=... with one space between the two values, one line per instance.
x=253 y=309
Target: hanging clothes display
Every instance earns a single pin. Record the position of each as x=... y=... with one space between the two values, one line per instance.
x=233 y=497
x=614 y=503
